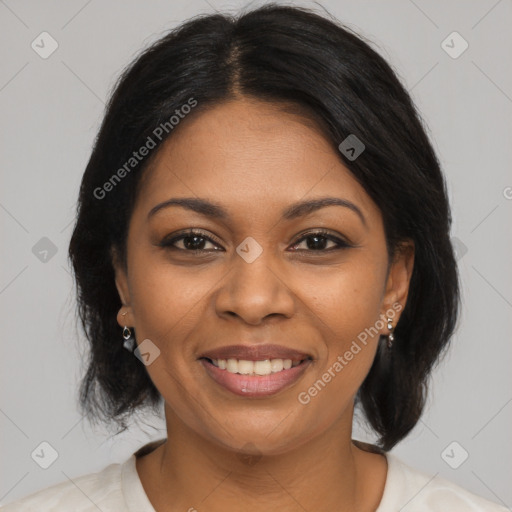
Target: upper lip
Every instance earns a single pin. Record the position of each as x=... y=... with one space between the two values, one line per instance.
x=255 y=353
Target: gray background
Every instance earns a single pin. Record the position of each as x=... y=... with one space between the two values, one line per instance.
x=51 y=110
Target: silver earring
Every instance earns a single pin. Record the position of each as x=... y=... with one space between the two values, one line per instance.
x=391 y=336
x=129 y=340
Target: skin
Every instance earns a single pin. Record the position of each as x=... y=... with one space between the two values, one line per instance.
x=255 y=160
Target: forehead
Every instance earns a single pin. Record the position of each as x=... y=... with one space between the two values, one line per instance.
x=247 y=153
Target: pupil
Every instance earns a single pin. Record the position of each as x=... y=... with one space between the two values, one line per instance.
x=195 y=242
x=316 y=244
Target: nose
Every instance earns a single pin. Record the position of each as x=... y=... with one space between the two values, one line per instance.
x=256 y=290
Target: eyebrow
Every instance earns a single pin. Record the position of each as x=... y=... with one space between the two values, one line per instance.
x=216 y=211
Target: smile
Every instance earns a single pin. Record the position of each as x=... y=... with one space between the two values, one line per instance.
x=245 y=367
x=255 y=379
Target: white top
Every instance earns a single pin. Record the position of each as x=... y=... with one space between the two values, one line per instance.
x=117 y=488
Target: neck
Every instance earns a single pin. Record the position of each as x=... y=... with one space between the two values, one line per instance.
x=329 y=472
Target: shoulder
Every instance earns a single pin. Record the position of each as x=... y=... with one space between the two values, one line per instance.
x=91 y=492
x=409 y=489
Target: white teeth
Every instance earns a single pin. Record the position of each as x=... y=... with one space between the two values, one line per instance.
x=232 y=366
x=244 y=367
x=262 y=367
x=276 y=365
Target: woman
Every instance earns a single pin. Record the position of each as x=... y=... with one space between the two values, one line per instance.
x=262 y=243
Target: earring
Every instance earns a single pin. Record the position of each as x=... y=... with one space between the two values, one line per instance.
x=129 y=340
x=391 y=336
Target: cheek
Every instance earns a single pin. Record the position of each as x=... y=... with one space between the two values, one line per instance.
x=348 y=298
x=346 y=307
x=166 y=299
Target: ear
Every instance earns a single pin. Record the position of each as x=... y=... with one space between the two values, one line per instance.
x=398 y=280
x=125 y=314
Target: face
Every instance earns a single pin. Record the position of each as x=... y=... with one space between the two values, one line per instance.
x=313 y=280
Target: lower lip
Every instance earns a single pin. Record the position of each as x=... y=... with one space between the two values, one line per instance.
x=253 y=386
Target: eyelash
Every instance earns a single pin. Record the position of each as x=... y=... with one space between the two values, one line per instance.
x=340 y=243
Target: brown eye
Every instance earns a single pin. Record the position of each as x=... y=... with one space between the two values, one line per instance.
x=191 y=241
x=318 y=241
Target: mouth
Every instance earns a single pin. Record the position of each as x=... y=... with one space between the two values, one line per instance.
x=261 y=367
x=255 y=372
x=255 y=353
